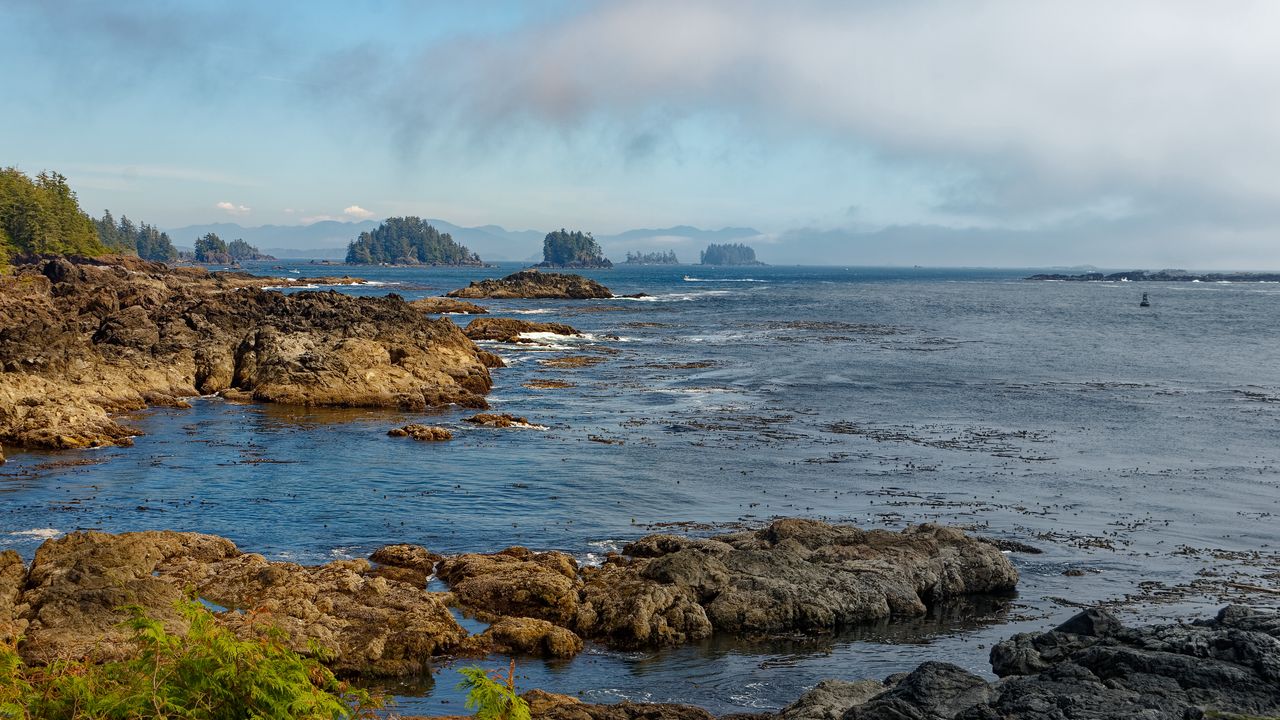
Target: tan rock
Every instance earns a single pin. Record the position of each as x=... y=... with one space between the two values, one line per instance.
x=516 y=582
x=510 y=330
x=13 y=575
x=526 y=636
x=441 y=305
x=534 y=284
x=421 y=432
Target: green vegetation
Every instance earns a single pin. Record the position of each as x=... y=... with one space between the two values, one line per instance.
x=652 y=258
x=729 y=254
x=572 y=249
x=206 y=674
x=211 y=249
x=41 y=215
x=493 y=696
x=408 y=241
x=126 y=238
x=241 y=251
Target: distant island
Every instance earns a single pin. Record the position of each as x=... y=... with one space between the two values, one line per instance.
x=212 y=250
x=408 y=241
x=652 y=258
x=565 y=249
x=1163 y=276
x=729 y=254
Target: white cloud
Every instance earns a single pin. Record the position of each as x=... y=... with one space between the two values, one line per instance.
x=232 y=209
x=1037 y=106
x=357 y=212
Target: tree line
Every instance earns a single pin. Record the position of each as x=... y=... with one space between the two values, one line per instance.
x=653 y=258
x=408 y=241
x=729 y=254
x=563 y=248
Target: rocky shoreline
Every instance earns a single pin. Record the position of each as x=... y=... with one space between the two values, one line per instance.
x=83 y=341
x=532 y=284
x=376 y=617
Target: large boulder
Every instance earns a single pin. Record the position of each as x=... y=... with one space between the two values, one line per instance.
x=516 y=582
x=80 y=584
x=13 y=575
x=534 y=284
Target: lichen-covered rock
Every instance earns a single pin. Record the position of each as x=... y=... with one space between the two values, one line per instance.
x=500 y=420
x=623 y=608
x=809 y=576
x=526 y=636
x=516 y=582
x=369 y=625
x=82 y=341
x=425 y=433
x=413 y=564
x=13 y=575
x=625 y=711
x=510 y=330
x=534 y=284
x=79 y=584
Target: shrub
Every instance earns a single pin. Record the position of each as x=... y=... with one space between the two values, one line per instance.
x=493 y=696
x=206 y=674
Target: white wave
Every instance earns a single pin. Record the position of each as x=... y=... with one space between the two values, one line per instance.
x=37 y=533
x=534 y=311
x=602 y=550
x=678 y=297
x=308 y=286
x=694 y=279
x=550 y=337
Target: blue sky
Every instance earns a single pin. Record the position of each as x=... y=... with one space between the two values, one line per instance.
x=992 y=132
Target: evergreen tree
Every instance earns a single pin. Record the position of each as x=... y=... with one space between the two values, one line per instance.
x=562 y=248
x=212 y=249
x=408 y=241
x=729 y=254
x=41 y=215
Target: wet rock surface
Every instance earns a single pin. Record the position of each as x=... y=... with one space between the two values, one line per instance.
x=82 y=341
x=441 y=305
x=534 y=284
x=510 y=330
x=425 y=433
x=499 y=420
x=13 y=574
x=792 y=576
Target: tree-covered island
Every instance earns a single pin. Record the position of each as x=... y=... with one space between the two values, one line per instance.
x=652 y=258
x=565 y=249
x=408 y=241
x=729 y=254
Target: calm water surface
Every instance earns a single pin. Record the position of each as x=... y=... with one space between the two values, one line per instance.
x=1138 y=445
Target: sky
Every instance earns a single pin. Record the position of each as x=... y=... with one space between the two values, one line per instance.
x=993 y=132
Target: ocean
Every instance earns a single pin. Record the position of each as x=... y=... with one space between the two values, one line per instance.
x=1137 y=448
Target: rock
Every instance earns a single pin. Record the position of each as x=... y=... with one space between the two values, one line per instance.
x=572 y=361
x=516 y=582
x=82 y=341
x=413 y=564
x=526 y=636
x=831 y=699
x=502 y=420
x=625 y=711
x=13 y=575
x=548 y=384
x=806 y=576
x=421 y=432
x=440 y=305
x=79 y=584
x=933 y=691
x=490 y=360
x=541 y=701
x=509 y=330
x=624 y=609
x=369 y=625
x=534 y=284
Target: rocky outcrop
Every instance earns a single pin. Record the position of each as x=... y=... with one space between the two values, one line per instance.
x=74 y=596
x=831 y=699
x=442 y=305
x=500 y=420
x=516 y=582
x=794 y=576
x=526 y=636
x=413 y=564
x=81 y=341
x=426 y=433
x=13 y=575
x=625 y=711
x=534 y=284
x=509 y=330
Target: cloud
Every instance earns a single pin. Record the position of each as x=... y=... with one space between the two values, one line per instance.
x=232 y=209
x=357 y=212
x=1024 y=108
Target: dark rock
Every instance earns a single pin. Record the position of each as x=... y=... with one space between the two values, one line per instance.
x=509 y=330
x=534 y=284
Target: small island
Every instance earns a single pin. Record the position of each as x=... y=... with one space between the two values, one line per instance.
x=408 y=241
x=212 y=250
x=729 y=254
x=534 y=284
x=1162 y=276
x=576 y=249
x=652 y=258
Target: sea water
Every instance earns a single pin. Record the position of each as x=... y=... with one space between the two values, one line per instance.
x=1138 y=446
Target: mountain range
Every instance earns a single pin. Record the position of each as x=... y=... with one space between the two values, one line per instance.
x=328 y=239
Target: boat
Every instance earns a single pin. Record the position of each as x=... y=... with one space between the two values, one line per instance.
x=1145 y=301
